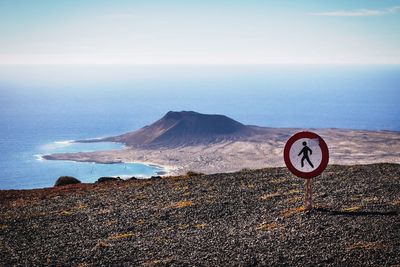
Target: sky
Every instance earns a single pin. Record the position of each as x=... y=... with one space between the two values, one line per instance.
x=199 y=32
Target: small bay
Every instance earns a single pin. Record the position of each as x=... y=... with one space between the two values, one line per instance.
x=37 y=172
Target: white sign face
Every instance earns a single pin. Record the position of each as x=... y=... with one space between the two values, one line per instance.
x=305 y=154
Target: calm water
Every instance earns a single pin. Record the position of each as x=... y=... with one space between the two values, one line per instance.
x=41 y=107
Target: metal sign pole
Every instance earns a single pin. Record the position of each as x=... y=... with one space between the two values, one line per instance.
x=308 y=205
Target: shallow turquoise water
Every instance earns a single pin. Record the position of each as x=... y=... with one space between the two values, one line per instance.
x=35 y=172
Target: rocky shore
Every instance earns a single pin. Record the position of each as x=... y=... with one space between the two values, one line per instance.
x=247 y=218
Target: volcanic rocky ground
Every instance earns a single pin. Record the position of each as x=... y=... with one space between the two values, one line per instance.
x=247 y=218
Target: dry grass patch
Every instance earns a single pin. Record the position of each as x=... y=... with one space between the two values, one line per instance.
x=278 y=181
x=184 y=188
x=247 y=186
x=3 y=226
x=200 y=225
x=396 y=202
x=141 y=221
x=267 y=226
x=103 y=211
x=292 y=211
x=182 y=204
x=277 y=194
x=71 y=211
x=102 y=244
x=182 y=226
x=121 y=235
x=367 y=245
x=180 y=186
x=356 y=197
x=66 y=212
x=350 y=209
x=80 y=206
x=292 y=191
x=39 y=214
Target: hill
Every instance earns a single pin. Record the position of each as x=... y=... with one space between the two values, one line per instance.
x=247 y=218
x=185 y=128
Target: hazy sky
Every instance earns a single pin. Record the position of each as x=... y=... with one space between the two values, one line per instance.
x=199 y=32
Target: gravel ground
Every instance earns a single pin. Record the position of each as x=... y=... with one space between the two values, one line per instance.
x=248 y=218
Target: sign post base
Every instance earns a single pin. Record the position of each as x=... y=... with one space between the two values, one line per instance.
x=308 y=204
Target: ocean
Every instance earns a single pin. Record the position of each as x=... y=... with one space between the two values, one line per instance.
x=44 y=108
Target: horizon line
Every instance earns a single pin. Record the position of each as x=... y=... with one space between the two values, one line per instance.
x=194 y=64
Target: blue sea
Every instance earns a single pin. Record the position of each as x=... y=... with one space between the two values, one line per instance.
x=43 y=108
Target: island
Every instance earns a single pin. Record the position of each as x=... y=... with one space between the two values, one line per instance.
x=190 y=141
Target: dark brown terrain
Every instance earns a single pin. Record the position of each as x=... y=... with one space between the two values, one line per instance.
x=247 y=218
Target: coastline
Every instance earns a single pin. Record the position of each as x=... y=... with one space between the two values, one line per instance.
x=163 y=169
x=346 y=147
x=168 y=170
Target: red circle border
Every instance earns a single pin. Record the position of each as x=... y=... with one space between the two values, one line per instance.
x=324 y=150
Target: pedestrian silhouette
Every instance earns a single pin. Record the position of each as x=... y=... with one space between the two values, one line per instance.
x=305 y=151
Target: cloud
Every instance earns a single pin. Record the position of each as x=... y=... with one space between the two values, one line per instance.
x=359 y=12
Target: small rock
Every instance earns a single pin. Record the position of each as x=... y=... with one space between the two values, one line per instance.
x=66 y=180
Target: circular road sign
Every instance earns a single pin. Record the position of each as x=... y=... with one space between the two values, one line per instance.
x=306 y=154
